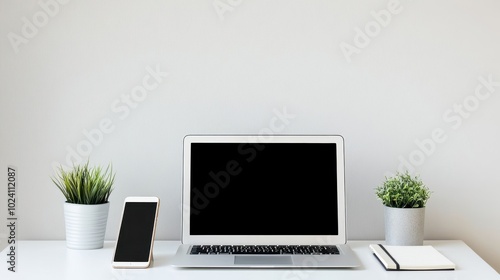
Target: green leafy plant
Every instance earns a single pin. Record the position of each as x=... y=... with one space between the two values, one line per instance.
x=84 y=184
x=403 y=191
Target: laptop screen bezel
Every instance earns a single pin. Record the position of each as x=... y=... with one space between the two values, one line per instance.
x=187 y=238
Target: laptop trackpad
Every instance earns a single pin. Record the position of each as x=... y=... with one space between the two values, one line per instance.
x=263 y=260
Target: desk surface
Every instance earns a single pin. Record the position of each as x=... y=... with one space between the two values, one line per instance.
x=52 y=260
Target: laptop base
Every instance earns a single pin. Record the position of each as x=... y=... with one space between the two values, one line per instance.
x=346 y=259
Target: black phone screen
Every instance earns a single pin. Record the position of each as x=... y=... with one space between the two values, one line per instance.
x=136 y=232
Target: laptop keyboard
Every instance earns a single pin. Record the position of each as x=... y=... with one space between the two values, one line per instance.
x=265 y=249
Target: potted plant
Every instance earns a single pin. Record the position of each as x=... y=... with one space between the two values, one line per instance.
x=86 y=190
x=404 y=198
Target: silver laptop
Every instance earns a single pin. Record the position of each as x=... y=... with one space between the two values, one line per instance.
x=264 y=201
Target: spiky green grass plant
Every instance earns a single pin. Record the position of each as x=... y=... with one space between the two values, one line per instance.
x=84 y=184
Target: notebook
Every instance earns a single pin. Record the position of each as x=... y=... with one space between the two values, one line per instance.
x=411 y=257
x=263 y=201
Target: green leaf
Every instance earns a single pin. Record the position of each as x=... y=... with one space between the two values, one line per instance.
x=84 y=184
x=403 y=191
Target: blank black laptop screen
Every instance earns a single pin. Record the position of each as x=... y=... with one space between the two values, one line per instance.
x=263 y=189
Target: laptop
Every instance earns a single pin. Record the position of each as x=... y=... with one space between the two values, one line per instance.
x=264 y=201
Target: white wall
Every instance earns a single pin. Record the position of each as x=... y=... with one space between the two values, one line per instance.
x=80 y=63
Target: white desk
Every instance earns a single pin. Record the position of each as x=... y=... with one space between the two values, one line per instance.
x=52 y=260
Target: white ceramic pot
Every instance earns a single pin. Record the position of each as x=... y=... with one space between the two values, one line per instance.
x=404 y=226
x=85 y=225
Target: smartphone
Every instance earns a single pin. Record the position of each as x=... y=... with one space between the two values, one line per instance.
x=134 y=245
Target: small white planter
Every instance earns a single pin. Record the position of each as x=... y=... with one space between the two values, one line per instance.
x=404 y=226
x=85 y=225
